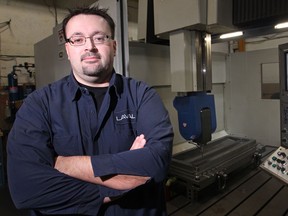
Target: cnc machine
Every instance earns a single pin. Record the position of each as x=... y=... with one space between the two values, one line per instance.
x=277 y=163
x=211 y=161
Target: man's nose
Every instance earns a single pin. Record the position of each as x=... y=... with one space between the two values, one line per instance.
x=90 y=45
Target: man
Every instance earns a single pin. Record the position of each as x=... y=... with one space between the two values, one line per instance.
x=94 y=142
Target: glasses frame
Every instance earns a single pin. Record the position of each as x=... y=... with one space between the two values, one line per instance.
x=106 y=38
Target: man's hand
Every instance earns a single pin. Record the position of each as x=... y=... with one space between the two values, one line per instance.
x=139 y=142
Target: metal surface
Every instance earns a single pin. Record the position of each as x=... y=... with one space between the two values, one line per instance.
x=249 y=191
x=212 y=16
x=190 y=55
x=248 y=198
x=253 y=193
x=220 y=157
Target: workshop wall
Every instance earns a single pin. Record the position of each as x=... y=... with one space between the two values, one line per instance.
x=22 y=24
x=247 y=114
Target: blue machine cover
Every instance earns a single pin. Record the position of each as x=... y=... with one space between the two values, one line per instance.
x=189 y=118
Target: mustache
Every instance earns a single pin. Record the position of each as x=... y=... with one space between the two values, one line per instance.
x=88 y=54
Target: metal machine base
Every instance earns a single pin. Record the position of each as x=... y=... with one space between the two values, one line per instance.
x=220 y=158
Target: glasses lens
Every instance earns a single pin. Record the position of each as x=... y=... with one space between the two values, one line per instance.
x=100 y=39
x=77 y=40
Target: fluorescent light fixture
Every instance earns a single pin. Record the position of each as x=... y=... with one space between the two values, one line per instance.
x=230 y=35
x=281 y=25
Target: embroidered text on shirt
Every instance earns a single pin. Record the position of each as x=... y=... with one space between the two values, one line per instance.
x=125 y=116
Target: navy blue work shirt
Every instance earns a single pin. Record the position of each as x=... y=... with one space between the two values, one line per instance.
x=61 y=119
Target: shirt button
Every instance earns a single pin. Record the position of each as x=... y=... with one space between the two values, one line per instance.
x=84 y=91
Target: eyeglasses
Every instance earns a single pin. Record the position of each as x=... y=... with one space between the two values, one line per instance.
x=80 y=40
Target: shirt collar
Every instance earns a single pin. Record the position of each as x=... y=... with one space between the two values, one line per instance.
x=115 y=86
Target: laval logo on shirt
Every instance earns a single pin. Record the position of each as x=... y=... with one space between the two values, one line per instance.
x=125 y=116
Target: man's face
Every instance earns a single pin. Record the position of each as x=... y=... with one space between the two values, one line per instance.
x=91 y=63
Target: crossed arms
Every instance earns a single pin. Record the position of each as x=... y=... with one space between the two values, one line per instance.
x=80 y=167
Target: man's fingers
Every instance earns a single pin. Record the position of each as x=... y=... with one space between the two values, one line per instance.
x=139 y=142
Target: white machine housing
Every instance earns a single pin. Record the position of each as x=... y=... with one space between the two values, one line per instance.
x=190 y=51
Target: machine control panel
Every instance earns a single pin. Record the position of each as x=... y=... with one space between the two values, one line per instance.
x=277 y=164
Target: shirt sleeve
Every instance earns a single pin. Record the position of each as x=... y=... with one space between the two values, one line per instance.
x=32 y=179
x=154 y=159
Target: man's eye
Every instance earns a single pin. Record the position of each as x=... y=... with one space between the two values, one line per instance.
x=78 y=40
x=99 y=38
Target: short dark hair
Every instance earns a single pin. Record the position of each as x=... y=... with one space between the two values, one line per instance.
x=95 y=10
